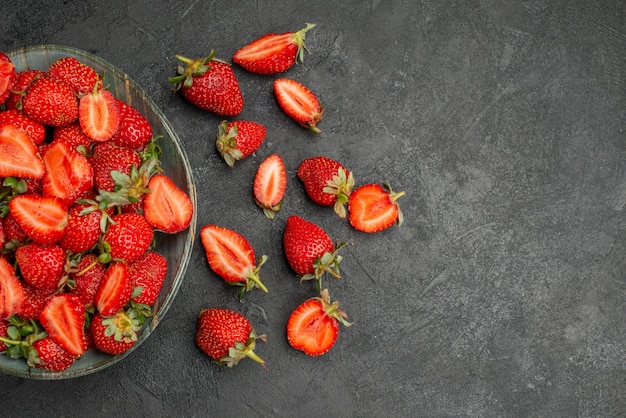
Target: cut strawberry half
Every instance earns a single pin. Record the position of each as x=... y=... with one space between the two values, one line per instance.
x=115 y=289
x=299 y=103
x=12 y=294
x=373 y=207
x=63 y=318
x=8 y=76
x=20 y=157
x=270 y=184
x=99 y=115
x=167 y=208
x=68 y=173
x=42 y=218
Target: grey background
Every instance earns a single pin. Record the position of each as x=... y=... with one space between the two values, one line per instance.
x=502 y=294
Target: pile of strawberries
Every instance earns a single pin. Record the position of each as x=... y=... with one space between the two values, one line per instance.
x=211 y=84
x=82 y=195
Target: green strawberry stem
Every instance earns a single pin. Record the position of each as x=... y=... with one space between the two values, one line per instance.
x=298 y=39
x=193 y=68
x=254 y=276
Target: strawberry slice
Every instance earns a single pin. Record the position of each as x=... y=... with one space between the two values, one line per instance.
x=42 y=218
x=20 y=157
x=167 y=208
x=273 y=52
x=68 y=173
x=299 y=103
x=63 y=318
x=8 y=76
x=270 y=184
x=373 y=207
x=313 y=327
x=231 y=257
x=12 y=294
x=115 y=290
x=99 y=114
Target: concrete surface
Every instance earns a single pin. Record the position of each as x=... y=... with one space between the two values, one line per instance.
x=503 y=293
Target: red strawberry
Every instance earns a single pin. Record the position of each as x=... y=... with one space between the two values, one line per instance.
x=239 y=139
x=35 y=130
x=116 y=334
x=273 y=53
x=72 y=134
x=34 y=301
x=83 y=228
x=209 y=84
x=99 y=114
x=63 y=319
x=115 y=289
x=86 y=279
x=24 y=79
x=326 y=182
x=8 y=76
x=108 y=157
x=148 y=272
x=50 y=102
x=309 y=250
x=11 y=291
x=373 y=207
x=167 y=208
x=4 y=325
x=270 y=183
x=231 y=257
x=226 y=336
x=50 y=355
x=134 y=130
x=128 y=237
x=80 y=77
x=43 y=218
x=313 y=326
x=299 y=103
x=68 y=173
x=20 y=157
x=41 y=266
x=13 y=233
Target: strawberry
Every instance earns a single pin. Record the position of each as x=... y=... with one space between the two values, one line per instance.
x=115 y=289
x=299 y=103
x=226 y=336
x=273 y=53
x=14 y=235
x=63 y=319
x=134 y=130
x=84 y=227
x=239 y=139
x=20 y=157
x=148 y=273
x=50 y=102
x=270 y=183
x=99 y=114
x=50 y=355
x=86 y=279
x=108 y=157
x=373 y=207
x=80 y=77
x=24 y=79
x=34 y=301
x=231 y=257
x=209 y=84
x=8 y=76
x=35 y=130
x=115 y=334
x=41 y=266
x=128 y=237
x=313 y=327
x=43 y=218
x=11 y=291
x=68 y=173
x=4 y=333
x=327 y=182
x=72 y=134
x=167 y=208
x=309 y=250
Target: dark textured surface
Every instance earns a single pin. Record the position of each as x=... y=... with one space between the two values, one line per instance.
x=503 y=293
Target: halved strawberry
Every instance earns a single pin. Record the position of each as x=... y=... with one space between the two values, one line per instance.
x=63 y=318
x=8 y=76
x=299 y=103
x=134 y=130
x=273 y=53
x=68 y=173
x=41 y=266
x=12 y=294
x=231 y=257
x=237 y=140
x=77 y=75
x=99 y=114
x=115 y=289
x=373 y=207
x=313 y=326
x=35 y=130
x=167 y=208
x=20 y=157
x=270 y=183
x=43 y=218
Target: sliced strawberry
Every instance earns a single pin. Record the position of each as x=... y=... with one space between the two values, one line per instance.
x=77 y=75
x=270 y=183
x=134 y=131
x=373 y=207
x=115 y=290
x=167 y=208
x=299 y=103
x=68 y=173
x=43 y=218
x=231 y=256
x=41 y=266
x=63 y=318
x=99 y=115
x=20 y=157
x=148 y=273
x=8 y=76
x=35 y=130
x=12 y=294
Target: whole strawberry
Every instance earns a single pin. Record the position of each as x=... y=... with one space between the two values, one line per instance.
x=24 y=79
x=36 y=131
x=48 y=355
x=80 y=77
x=327 y=182
x=86 y=279
x=148 y=273
x=239 y=139
x=50 y=102
x=118 y=333
x=83 y=228
x=134 y=130
x=108 y=157
x=209 y=84
x=128 y=237
x=41 y=266
x=226 y=336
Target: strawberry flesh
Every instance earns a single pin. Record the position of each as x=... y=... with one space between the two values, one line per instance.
x=167 y=208
x=68 y=173
x=99 y=115
x=42 y=218
x=115 y=289
x=299 y=103
x=12 y=294
x=63 y=319
x=373 y=208
x=20 y=157
x=270 y=183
